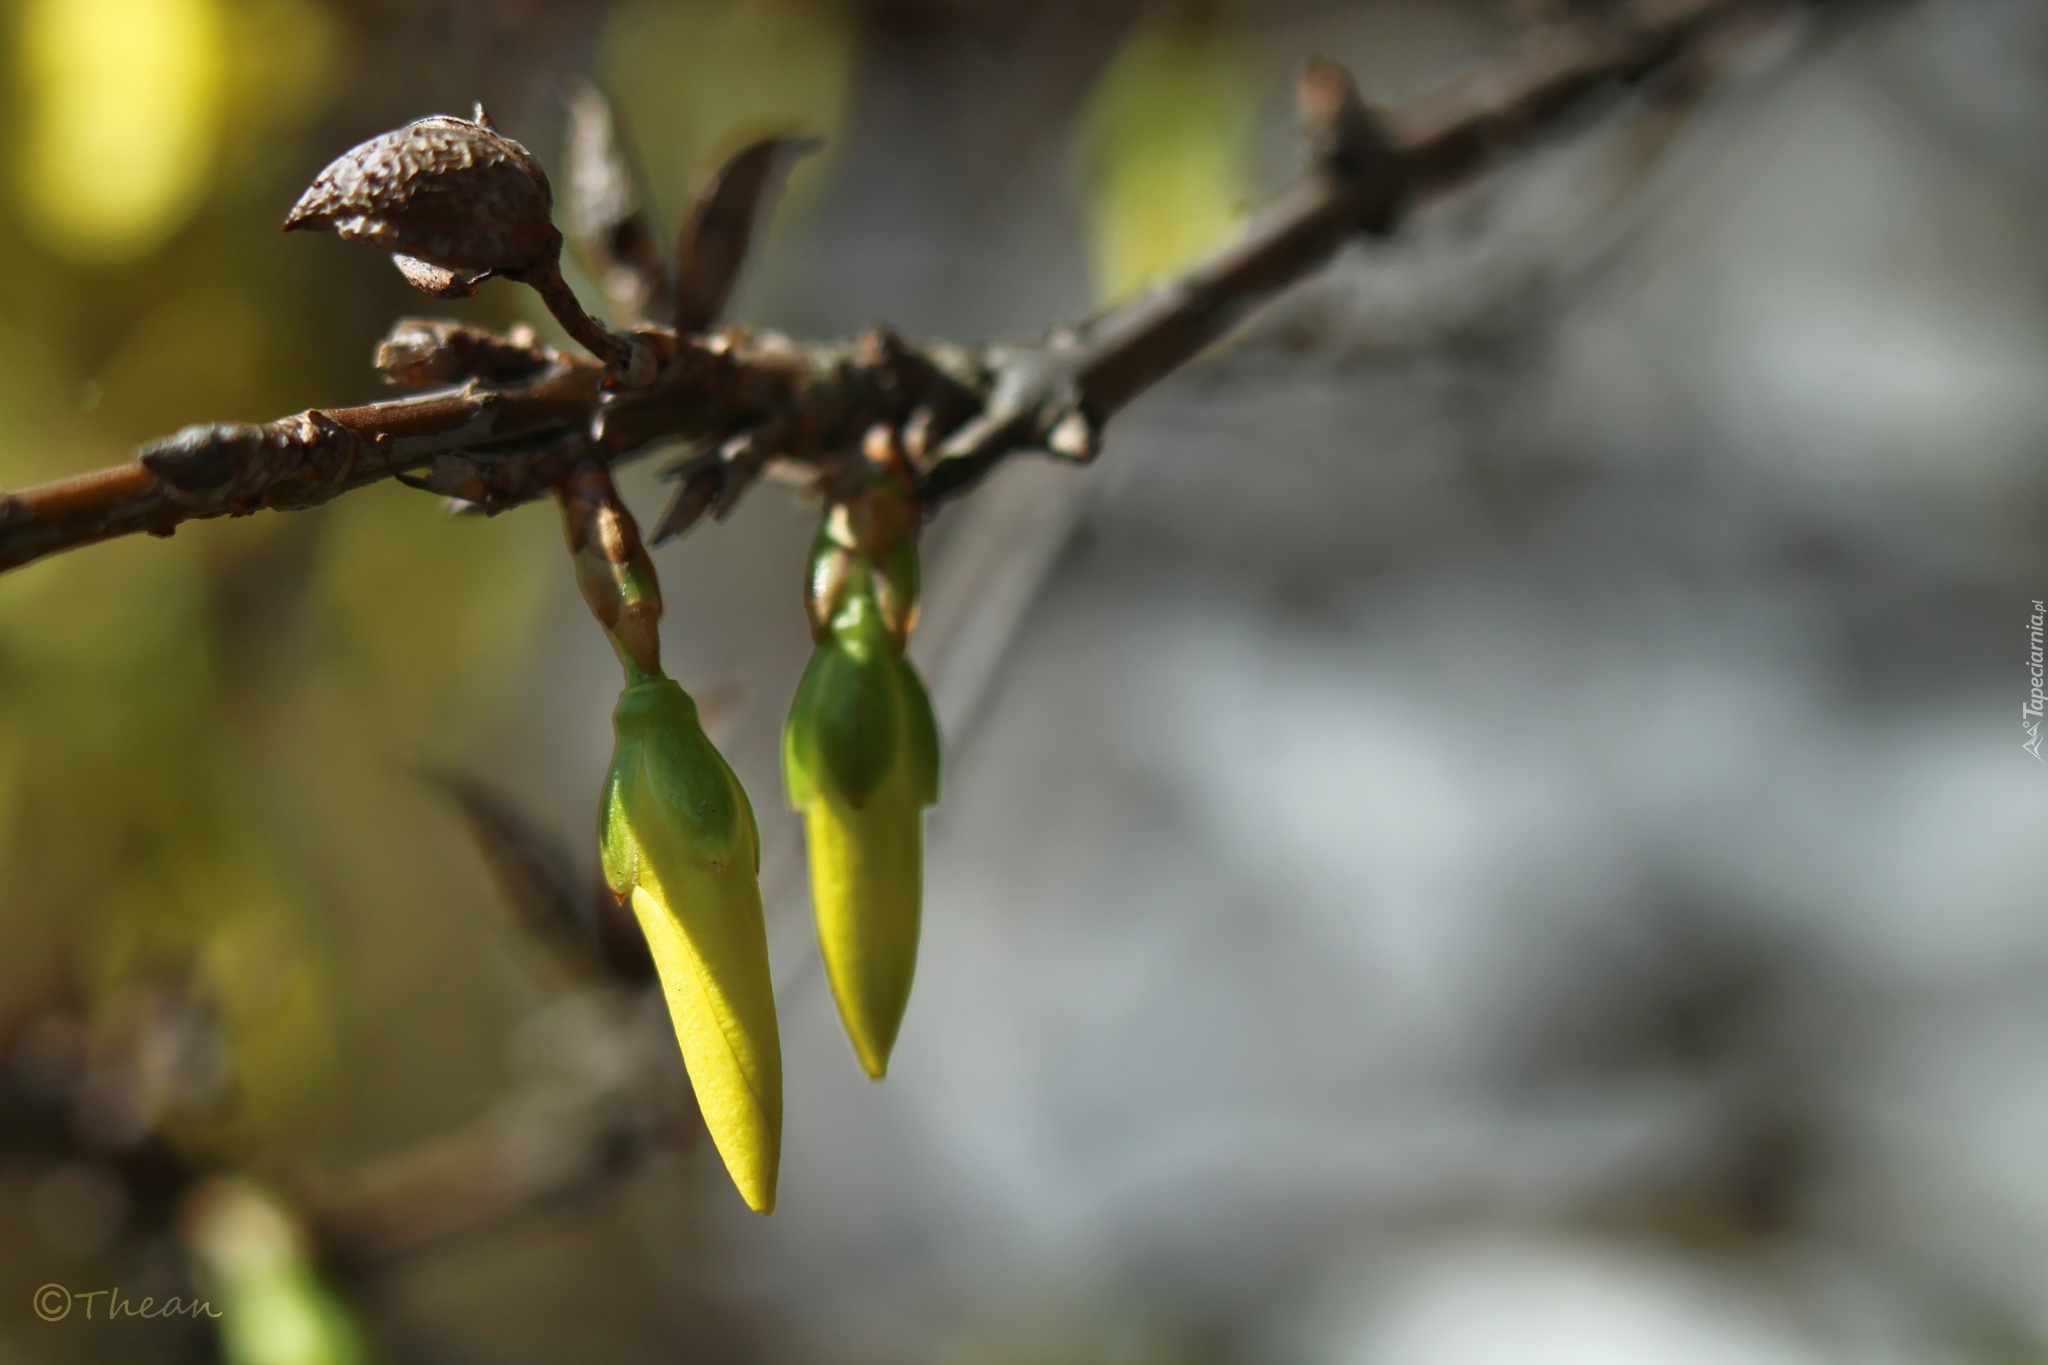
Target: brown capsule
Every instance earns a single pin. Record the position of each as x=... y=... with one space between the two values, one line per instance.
x=454 y=201
x=449 y=194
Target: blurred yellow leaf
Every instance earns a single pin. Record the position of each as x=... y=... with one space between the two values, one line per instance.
x=123 y=114
x=1165 y=136
x=696 y=79
x=285 y=54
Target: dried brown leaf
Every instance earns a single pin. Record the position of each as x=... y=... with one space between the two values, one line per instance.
x=715 y=237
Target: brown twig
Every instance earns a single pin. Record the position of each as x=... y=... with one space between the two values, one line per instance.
x=754 y=401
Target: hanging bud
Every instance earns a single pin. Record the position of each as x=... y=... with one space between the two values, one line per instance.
x=679 y=842
x=679 y=845
x=860 y=761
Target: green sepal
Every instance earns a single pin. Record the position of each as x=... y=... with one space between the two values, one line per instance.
x=698 y=799
x=899 y=567
x=797 y=757
x=842 y=734
x=895 y=580
x=618 y=852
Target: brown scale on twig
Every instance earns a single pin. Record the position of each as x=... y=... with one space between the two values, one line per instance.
x=743 y=403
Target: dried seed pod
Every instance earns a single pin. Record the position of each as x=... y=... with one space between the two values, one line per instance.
x=455 y=201
x=451 y=194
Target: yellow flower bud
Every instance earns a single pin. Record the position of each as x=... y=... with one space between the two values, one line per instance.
x=861 y=762
x=679 y=839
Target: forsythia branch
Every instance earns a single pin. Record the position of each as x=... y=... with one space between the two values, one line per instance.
x=520 y=416
x=883 y=429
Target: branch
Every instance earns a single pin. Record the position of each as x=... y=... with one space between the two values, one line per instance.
x=525 y=415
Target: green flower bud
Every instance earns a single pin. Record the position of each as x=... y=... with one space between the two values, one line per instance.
x=679 y=839
x=861 y=762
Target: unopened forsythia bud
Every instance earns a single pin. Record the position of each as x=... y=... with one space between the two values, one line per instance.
x=679 y=838
x=861 y=762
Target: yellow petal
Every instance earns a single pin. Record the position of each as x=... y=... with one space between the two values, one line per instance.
x=867 y=882
x=704 y=927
